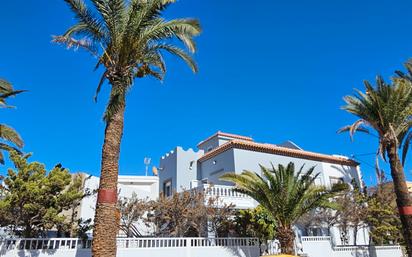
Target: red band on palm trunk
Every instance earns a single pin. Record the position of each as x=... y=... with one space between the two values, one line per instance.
x=107 y=196
x=405 y=210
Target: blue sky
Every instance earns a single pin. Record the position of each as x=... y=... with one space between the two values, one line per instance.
x=273 y=70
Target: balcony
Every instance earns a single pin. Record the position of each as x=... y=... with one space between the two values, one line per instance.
x=227 y=195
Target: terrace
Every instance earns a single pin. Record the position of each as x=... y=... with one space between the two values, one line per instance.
x=227 y=195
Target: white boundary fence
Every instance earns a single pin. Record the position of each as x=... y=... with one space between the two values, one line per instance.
x=183 y=247
x=128 y=247
x=320 y=246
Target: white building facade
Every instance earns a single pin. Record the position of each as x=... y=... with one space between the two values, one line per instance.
x=145 y=187
x=228 y=153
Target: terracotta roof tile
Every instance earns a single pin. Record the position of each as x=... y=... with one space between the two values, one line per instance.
x=278 y=150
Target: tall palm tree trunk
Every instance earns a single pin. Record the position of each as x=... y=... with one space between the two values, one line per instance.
x=105 y=222
x=286 y=237
x=403 y=198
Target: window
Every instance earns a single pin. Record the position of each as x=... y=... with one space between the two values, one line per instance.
x=167 y=188
x=209 y=149
x=335 y=180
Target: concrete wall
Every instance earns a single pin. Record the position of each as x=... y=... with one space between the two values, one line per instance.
x=168 y=170
x=142 y=186
x=152 y=252
x=250 y=160
x=186 y=167
x=210 y=144
x=180 y=167
x=321 y=246
x=154 y=247
x=215 y=167
x=185 y=247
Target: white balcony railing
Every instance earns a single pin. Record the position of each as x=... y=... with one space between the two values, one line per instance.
x=228 y=195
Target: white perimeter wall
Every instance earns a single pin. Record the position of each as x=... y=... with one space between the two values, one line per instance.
x=217 y=251
x=153 y=247
x=322 y=247
x=184 y=247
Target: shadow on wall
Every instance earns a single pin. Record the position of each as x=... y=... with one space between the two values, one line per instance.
x=42 y=247
x=242 y=251
x=345 y=172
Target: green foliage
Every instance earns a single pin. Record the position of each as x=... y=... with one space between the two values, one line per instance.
x=9 y=138
x=387 y=109
x=352 y=212
x=83 y=226
x=286 y=196
x=383 y=217
x=129 y=38
x=34 y=198
x=255 y=223
x=7 y=91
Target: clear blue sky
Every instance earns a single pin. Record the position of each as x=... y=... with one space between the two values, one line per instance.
x=273 y=70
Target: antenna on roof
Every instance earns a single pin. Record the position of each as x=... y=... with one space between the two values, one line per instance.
x=147 y=161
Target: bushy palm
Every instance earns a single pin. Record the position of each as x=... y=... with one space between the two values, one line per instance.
x=9 y=138
x=287 y=195
x=387 y=109
x=128 y=38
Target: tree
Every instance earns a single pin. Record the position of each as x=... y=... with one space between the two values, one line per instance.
x=128 y=38
x=73 y=224
x=319 y=218
x=219 y=216
x=9 y=138
x=33 y=198
x=255 y=222
x=285 y=195
x=189 y=213
x=132 y=211
x=352 y=212
x=387 y=109
x=383 y=217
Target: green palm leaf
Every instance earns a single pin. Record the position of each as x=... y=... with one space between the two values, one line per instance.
x=287 y=195
x=127 y=38
x=8 y=136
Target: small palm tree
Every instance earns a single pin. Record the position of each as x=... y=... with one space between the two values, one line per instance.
x=387 y=109
x=9 y=138
x=286 y=195
x=128 y=38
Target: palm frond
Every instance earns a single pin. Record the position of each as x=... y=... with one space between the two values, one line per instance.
x=128 y=37
x=385 y=108
x=285 y=194
x=179 y=53
x=9 y=134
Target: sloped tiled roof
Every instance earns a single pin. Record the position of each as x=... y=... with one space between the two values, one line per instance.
x=278 y=150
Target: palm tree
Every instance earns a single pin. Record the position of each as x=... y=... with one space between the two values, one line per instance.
x=387 y=109
x=9 y=138
x=128 y=38
x=285 y=195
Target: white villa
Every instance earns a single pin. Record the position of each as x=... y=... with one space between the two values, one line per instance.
x=223 y=152
x=188 y=170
